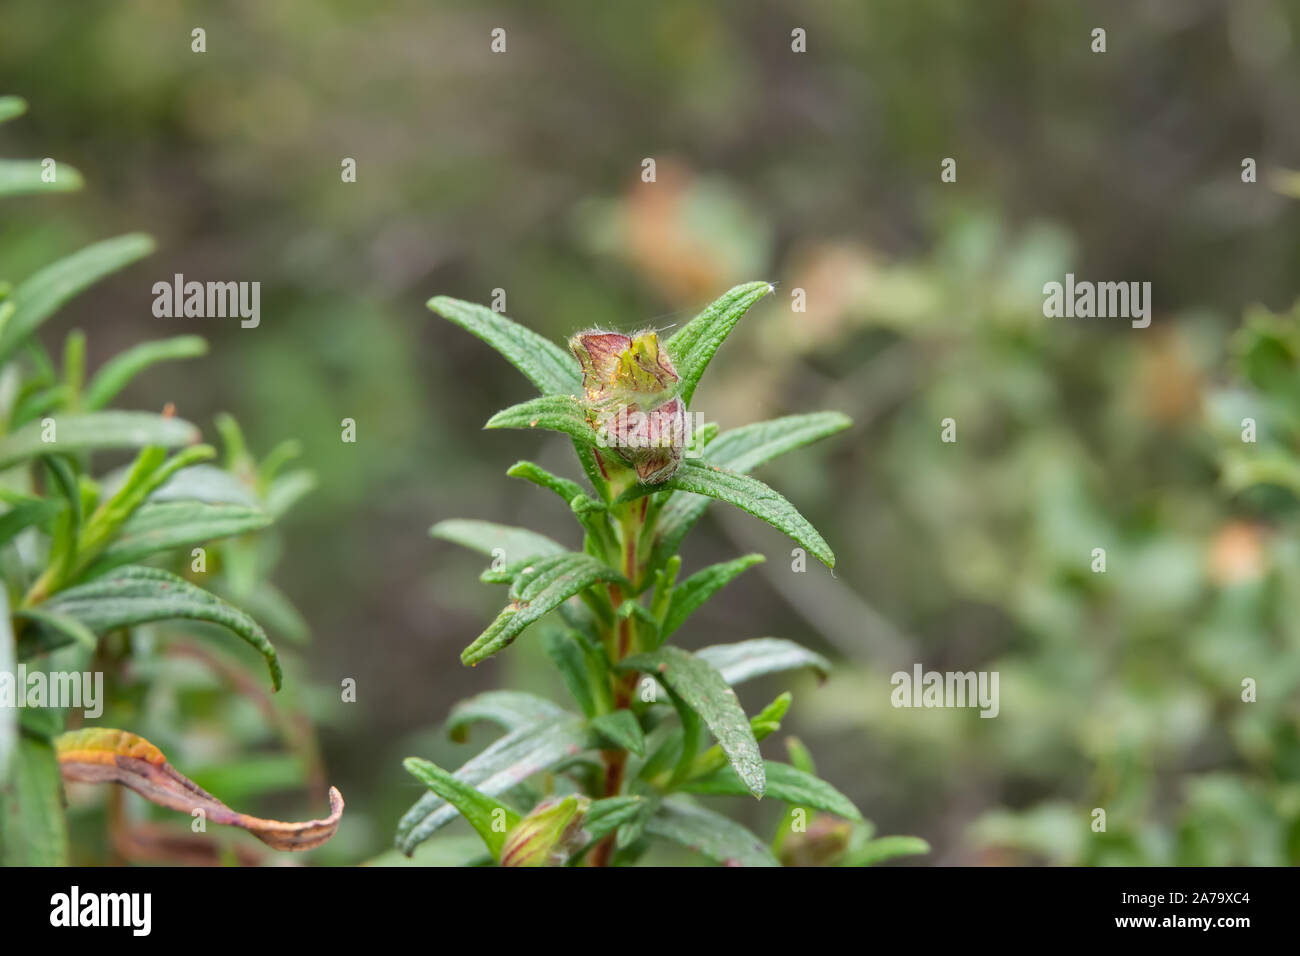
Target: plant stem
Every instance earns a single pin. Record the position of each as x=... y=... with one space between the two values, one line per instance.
x=633 y=526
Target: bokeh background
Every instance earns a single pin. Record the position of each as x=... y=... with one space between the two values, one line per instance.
x=818 y=171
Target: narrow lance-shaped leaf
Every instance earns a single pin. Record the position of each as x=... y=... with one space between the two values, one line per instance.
x=21 y=177
x=692 y=346
x=514 y=544
x=748 y=494
x=177 y=524
x=37 y=297
x=96 y=430
x=539 y=589
x=506 y=763
x=557 y=413
x=740 y=450
x=100 y=755
x=783 y=782
x=746 y=660
x=136 y=595
x=489 y=818
x=704 y=690
x=545 y=364
x=711 y=834
x=699 y=587
x=118 y=371
x=886 y=848
x=508 y=709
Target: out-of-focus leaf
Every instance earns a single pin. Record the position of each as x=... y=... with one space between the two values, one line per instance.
x=540 y=588
x=886 y=848
x=100 y=755
x=24 y=514
x=11 y=107
x=288 y=489
x=783 y=782
x=707 y=694
x=746 y=660
x=118 y=371
x=136 y=595
x=8 y=713
x=508 y=709
x=711 y=834
x=33 y=829
x=176 y=524
x=621 y=729
x=507 y=762
x=546 y=365
x=515 y=544
x=482 y=812
x=692 y=346
x=699 y=587
x=96 y=430
x=21 y=177
x=36 y=298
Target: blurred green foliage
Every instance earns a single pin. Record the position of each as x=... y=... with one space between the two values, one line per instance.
x=820 y=172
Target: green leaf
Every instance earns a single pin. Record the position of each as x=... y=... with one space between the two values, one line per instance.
x=96 y=430
x=175 y=524
x=61 y=624
x=783 y=782
x=566 y=489
x=692 y=347
x=699 y=587
x=747 y=494
x=744 y=449
x=620 y=728
x=607 y=815
x=33 y=830
x=11 y=107
x=8 y=714
x=21 y=177
x=39 y=296
x=205 y=483
x=746 y=660
x=507 y=762
x=582 y=667
x=24 y=514
x=741 y=450
x=540 y=588
x=478 y=808
x=118 y=371
x=516 y=544
x=557 y=413
x=547 y=366
x=886 y=848
x=708 y=833
x=136 y=595
x=703 y=689
x=509 y=709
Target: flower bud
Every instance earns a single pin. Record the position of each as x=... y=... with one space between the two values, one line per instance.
x=629 y=385
x=549 y=835
x=823 y=844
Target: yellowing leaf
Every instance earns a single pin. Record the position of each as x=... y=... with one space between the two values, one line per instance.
x=100 y=755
